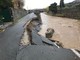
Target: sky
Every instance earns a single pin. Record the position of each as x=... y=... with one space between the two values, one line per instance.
x=35 y=4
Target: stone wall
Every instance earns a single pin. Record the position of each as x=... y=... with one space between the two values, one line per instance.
x=17 y=9
x=18 y=13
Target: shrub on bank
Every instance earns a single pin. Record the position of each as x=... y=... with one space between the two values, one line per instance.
x=60 y=15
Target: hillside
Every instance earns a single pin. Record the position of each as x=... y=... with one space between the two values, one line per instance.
x=73 y=4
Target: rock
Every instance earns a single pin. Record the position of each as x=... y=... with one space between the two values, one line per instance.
x=49 y=32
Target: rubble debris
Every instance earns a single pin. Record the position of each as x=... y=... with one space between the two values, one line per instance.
x=2 y=30
x=4 y=26
x=29 y=31
x=35 y=39
x=24 y=40
x=57 y=42
x=49 y=33
x=47 y=41
x=38 y=17
x=36 y=25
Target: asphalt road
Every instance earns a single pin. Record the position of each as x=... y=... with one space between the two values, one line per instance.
x=43 y=52
x=44 y=49
x=10 y=38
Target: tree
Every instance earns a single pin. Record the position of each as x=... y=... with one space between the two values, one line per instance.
x=53 y=8
x=4 y=3
x=5 y=10
x=62 y=4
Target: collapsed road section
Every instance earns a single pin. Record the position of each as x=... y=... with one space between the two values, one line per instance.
x=10 y=38
x=41 y=48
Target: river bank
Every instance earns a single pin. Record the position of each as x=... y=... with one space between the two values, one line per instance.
x=67 y=31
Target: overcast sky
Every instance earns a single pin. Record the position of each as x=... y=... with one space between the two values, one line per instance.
x=33 y=4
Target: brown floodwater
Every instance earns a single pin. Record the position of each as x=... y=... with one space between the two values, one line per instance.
x=67 y=31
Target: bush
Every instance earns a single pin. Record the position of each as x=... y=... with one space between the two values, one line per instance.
x=53 y=8
x=78 y=6
x=62 y=4
x=60 y=15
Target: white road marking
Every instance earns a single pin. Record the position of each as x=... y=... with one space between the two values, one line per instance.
x=76 y=52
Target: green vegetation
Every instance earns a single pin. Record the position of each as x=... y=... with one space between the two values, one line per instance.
x=69 y=10
x=5 y=3
x=77 y=6
x=5 y=9
x=62 y=4
x=53 y=8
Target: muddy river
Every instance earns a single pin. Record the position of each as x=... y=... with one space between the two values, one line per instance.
x=67 y=31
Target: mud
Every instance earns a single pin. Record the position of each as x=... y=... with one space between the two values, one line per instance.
x=67 y=31
x=42 y=47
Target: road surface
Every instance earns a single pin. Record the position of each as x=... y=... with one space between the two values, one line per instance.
x=9 y=40
x=67 y=30
x=44 y=49
x=44 y=52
